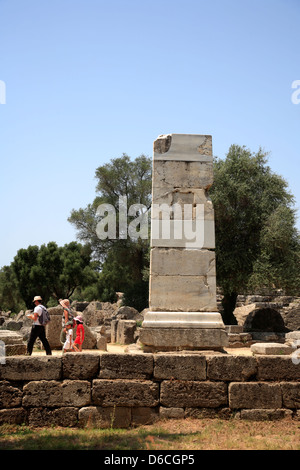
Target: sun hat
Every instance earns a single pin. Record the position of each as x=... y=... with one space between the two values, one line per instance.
x=37 y=297
x=79 y=318
x=64 y=303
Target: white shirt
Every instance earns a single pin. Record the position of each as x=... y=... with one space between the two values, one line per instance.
x=39 y=311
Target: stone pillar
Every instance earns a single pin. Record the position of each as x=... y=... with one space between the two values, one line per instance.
x=182 y=304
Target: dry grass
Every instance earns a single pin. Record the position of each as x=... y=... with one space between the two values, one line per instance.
x=188 y=434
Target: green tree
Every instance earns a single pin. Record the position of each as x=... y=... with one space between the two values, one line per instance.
x=257 y=244
x=10 y=297
x=123 y=260
x=52 y=271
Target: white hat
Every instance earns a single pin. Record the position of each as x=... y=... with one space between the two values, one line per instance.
x=37 y=297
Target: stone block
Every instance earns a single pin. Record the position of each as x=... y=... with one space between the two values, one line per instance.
x=54 y=327
x=13 y=416
x=108 y=417
x=231 y=368
x=57 y=394
x=291 y=394
x=254 y=395
x=277 y=368
x=125 y=331
x=211 y=413
x=31 y=368
x=189 y=234
x=272 y=349
x=142 y=416
x=125 y=393
x=10 y=395
x=168 y=175
x=265 y=415
x=64 y=416
x=171 y=413
x=193 y=394
x=168 y=339
x=127 y=366
x=187 y=147
x=179 y=367
x=182 y=293
x=80 y=366
x=178 y=262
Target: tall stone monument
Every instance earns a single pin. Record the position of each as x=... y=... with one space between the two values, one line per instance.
x=183 y=311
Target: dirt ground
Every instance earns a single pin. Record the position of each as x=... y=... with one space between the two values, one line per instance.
x=120 y=349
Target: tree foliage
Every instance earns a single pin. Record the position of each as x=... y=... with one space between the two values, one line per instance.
x=257 y=244
x=51 y=271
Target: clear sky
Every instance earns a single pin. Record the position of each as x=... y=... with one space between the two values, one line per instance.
x=88 y=80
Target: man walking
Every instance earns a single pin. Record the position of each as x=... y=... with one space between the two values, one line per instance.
x=37 y=330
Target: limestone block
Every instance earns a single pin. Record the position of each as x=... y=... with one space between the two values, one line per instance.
x=31 y=368
x=54 y=393
x=125 y=331
x=168 y=175
x=141 y=416
x=167 y=339
x=277 y=368
x=291 y=394
x=179 y=367
x=171 y=413
x=130 y=366
x=64 y=416
x=12 y=416
x=124 y=393
x=198 y=233
x=231 y=368
x=10 y=396
x=179 y=262
x=265 y=415
x=81 y=366
x=182 y=320
x=183 y=147
x=254 y=395
x=272 y=348
x=193 y=394
x=183 y=293
x=109 y=417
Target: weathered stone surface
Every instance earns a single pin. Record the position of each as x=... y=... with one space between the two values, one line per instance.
x=165 y=339
x=265 y=415
x=169 y=413
x=107 y=417
x=125 y=393
x=64 y=416
x=57 y=394
x=13 y=416
x=291 y=394
x=193 y=394
x=178 y=262
x=254 y=395
x=141 y=416
x=83 y=366
x=231 y=368
x=180 y=367
x=277 y=368
x=127 y=366
x=125 y=331
x=180 y=174
x=31 y=368
x=272 y=348
x=183 y=293
x=10 y=396
x=212 y=413
x=183 y=146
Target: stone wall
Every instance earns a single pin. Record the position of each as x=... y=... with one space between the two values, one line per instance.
x=122 y=390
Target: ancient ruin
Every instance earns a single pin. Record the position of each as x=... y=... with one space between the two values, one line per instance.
x=183 y=310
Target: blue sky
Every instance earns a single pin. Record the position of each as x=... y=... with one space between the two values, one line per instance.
x=88 y=80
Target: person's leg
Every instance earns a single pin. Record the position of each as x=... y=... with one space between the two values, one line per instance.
x=42 y=336
x=33 y=336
